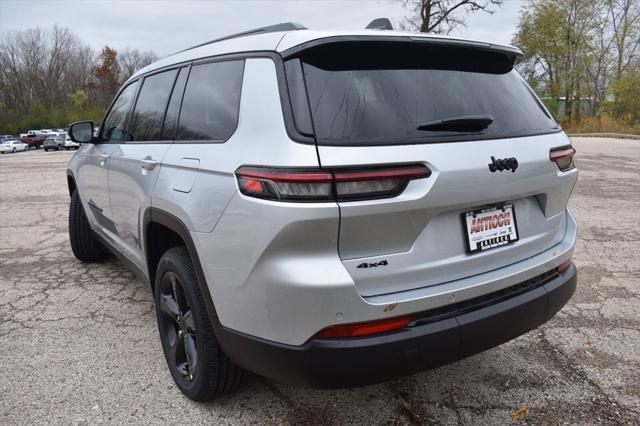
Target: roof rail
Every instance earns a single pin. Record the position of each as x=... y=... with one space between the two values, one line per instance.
x=379 y=24
x=284 y=26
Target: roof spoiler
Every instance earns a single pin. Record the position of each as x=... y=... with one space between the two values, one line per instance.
x=379 y=24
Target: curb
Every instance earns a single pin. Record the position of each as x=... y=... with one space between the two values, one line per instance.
x=604 y=135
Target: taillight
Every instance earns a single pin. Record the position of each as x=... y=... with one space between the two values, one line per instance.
x=327 y=184
x=364 y=328
x=563 y=157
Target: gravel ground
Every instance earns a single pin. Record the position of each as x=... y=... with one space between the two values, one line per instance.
x=78 y=343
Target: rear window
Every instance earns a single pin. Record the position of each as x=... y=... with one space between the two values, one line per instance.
x=360 y=93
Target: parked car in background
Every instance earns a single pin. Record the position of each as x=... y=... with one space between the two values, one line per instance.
x=12 y=145
x=6 y=137
x=34 y=139
x=68 y=143
x=54 y=142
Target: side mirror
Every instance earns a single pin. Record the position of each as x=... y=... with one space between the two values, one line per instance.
x=81 y=132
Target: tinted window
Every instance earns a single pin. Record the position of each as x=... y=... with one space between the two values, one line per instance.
x=299 y=102
x=384 y=94
x=114 y=130
x=211 y=101
x=171 y=117
x=149 y=110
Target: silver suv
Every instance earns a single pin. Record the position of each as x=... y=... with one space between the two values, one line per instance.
x=330 y=209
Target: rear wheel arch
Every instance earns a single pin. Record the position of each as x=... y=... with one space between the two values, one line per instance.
x=163 y=231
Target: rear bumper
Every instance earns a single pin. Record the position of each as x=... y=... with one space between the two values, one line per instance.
x=437 y=338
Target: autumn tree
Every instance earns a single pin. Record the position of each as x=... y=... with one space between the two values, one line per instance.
x=49 y=78
x=107 y=75
x=442 y=16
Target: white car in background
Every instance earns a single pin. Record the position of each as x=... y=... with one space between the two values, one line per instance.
x=68 y=143
x=12 y=145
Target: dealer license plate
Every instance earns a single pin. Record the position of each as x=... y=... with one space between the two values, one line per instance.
x=490 y=227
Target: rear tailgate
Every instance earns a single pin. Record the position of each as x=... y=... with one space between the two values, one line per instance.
x=421 y=234
x=457 y=110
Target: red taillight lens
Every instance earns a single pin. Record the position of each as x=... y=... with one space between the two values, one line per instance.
x=327 y=184
x=364 y=328
x=280 y=184
x=563 y=157
x=564 y=266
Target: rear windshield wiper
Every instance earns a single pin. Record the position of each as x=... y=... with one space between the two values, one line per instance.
x=467 y=123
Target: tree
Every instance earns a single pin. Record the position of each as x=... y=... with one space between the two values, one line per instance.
x=49 y=78
x=131 y=60
x=107 y=75
x=625 y=21
x=556 y=36
x=626 y=91
x=442 y=16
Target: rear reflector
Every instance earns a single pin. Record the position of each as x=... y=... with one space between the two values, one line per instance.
x=563 y=157
x=564 y=266
x=327 y=184
x=364 y=328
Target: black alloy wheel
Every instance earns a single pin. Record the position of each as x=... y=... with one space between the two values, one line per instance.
x=197 y=362
x=177 y=327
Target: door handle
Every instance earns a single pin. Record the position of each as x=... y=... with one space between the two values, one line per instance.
x=148 y=163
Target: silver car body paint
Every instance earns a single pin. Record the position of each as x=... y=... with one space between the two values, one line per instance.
x=282 y=271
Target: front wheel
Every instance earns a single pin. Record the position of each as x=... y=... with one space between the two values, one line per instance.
x=84 y=244
x=196 y=361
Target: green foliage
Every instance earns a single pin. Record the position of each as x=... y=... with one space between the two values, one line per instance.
x=626 y=93
x=582 y=57
x=49 y=78
x=553 y=105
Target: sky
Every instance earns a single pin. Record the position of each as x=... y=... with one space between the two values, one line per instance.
x=166 y=26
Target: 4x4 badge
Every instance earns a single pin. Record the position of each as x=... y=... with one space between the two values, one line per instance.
x=373 y=265
x=503 y=164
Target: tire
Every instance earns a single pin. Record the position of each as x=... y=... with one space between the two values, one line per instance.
x=177 y=297
x=46 y=150
x=58 y=148
x=13 y=150
x=84 y=244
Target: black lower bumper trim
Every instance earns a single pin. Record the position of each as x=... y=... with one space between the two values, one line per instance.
x=326 y=363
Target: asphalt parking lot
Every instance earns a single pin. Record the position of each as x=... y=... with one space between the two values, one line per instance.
x=79 y=344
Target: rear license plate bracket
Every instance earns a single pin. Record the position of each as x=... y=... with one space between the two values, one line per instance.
x=490 y=227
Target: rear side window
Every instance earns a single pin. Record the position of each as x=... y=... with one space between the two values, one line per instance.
x=113 y=129
x=385 y=93
x=211 y=101
x=148 y=113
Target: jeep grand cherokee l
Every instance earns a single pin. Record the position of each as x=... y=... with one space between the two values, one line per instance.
x=330 y=208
